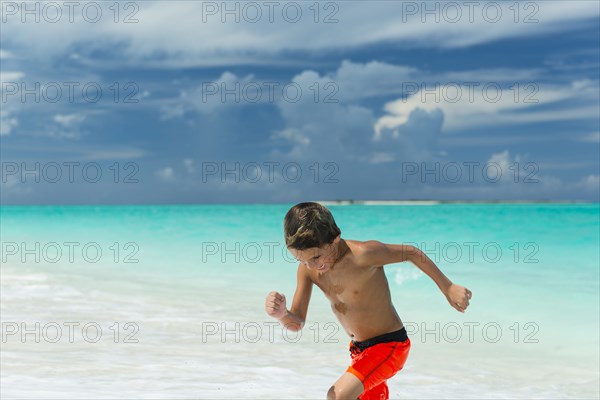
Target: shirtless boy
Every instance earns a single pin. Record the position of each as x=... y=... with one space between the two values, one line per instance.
x=351 y=275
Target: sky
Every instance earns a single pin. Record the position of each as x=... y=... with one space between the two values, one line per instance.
x=169 y=102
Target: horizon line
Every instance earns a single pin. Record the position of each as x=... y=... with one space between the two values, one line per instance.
x=324 y=202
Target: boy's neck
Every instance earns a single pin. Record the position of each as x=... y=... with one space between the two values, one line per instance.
x=342 y=249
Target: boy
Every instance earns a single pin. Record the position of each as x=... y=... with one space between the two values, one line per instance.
x=351 y=275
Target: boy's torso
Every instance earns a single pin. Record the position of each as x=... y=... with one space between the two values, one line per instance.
x=359 y=295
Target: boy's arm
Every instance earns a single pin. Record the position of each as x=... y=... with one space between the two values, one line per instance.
x=377 y=253
x=294 y=318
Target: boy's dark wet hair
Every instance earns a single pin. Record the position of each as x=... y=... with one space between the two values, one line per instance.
x=309 y=225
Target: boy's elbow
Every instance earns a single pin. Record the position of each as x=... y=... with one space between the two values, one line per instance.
x=414 y=254
x=300 y=324
x=294 y=325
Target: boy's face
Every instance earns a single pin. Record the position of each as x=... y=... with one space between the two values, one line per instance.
x=318 y=258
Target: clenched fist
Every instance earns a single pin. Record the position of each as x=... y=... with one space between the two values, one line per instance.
x=275 y=305
x=458 y=297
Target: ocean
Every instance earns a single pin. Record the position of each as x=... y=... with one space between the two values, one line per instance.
x=149 y=302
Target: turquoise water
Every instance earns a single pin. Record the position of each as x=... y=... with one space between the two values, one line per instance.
x=533 y=270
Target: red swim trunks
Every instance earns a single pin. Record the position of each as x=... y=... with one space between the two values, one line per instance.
x=376 y=360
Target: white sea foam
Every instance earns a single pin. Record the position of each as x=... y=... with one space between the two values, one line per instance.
x=176 y=357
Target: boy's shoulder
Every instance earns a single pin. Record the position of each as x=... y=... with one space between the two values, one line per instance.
x=363 y=251
x=365 y=246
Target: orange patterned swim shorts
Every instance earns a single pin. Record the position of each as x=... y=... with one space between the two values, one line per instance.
x=376 y=360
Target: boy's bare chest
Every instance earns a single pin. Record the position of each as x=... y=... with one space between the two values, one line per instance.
x=345 y=287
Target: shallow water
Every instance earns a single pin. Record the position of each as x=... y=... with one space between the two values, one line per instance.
x=179 y=301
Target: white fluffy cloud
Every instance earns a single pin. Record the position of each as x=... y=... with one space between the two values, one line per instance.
x=10 y=105
x=189 y=165
x=10 y=76
x=69 y=120
x=166 y=174
x=593 y=137
x=467 y=106
x=313 y=128
x=7 y=122
x=4 y=55
x=504 y=166
x=590 y=183
x=195 y=36
x=413 y=126
x=291 y=134
x=208 y=97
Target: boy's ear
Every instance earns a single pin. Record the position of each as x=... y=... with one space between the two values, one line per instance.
x=337 y=239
